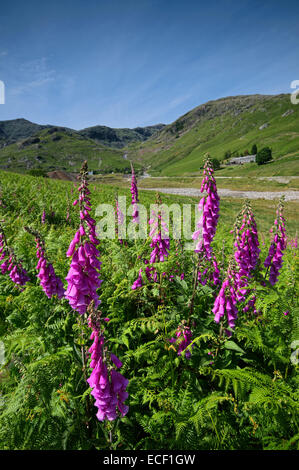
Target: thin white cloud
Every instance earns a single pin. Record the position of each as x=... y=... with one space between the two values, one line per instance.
x=26 y=87
x=33 y=74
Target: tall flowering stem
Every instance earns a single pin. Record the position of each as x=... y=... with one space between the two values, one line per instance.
x=43 y=219
x=294 y=242
x=160 y=245
x=210 y=272
x=16 y=271
x=247 y=248
x=134 y=193
x=11 y=264
x=226 y=300
x=159 y=234
x=83 y=276
x=274 y=260
x=51 y=284
x=208 y=208
x=179 y=266
x=108 y=385
x=4 y=252
x=183 y=337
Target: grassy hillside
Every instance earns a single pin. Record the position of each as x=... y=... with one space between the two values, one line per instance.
x=104 y=192
x=53 y=149
x=233 y=124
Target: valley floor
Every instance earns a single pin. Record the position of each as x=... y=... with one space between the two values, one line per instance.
x=289 y=195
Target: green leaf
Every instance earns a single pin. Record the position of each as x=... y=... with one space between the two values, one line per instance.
x=233 y=346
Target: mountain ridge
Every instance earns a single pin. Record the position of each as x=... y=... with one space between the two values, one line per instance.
x=15 y=130
x=230 y=124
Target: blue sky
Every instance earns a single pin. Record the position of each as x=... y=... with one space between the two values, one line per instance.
x=124 y=63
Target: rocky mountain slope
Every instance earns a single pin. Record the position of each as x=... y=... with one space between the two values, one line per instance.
x=229 y=124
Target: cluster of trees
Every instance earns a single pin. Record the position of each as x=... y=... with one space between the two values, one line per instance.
x=37 y=172
x=264 y=156
x=228 y=154
x=215 y=163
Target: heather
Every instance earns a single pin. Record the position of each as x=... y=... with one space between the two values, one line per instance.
x=167 y=348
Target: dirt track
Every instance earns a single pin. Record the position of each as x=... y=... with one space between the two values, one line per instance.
x=289 y=195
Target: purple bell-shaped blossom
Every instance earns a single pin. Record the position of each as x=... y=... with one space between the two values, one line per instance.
x=160 y=245
x=208 y=208
x=247 y=249
x=83 y=276
x=274 y=260
x=17 y=273
x=134 y=193
x=138 y=282
x=183 y=339
x=43 y=217
x=160 y=238
x=108 y=385
x=225 y=302
x=51 y=284
x=11 y=264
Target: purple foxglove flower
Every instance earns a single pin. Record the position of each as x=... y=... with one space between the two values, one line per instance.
x=11 y=265
x=83 y=276
x=108 y=385
x=183 y=339
x=138 y=282
x=208 y=208
x=225 y=302
x=246 y=253
x=274 y=260
x=135 y=200
x=160 y=238
x=116 y=361
x=50 y=282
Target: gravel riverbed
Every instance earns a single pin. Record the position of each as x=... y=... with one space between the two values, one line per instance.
x=289 y=195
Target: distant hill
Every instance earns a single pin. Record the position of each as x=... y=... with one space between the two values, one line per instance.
x=232 y=123
x=57 y=148
x=119 y=138
x=25 y=145
x=18 y=129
